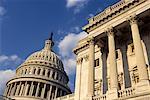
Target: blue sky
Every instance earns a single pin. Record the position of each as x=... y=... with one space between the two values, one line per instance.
x=25 y=24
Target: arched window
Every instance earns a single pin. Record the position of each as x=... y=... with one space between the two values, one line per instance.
x=25 y=71
x=43 y=72
x=53 y=75
x=34 y=71
x=38 y=71
x=48 y=73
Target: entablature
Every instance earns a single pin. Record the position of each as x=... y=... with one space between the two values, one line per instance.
x=110 y=13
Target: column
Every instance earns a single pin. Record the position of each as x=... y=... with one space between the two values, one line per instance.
x=41 y=71
x=21 y=90
x=32 y=88
x=112 y=60
x=43 y=91
x=78 y=78
x=46 y=72
x=56 y=92
x=26 y=89
x=51 y=72
x=36 y=71
x=18 y=88
x=91 y=67
x=49 y=93
x=14 y=89
x=10 y=89
x=37 y=90
x=140 y=59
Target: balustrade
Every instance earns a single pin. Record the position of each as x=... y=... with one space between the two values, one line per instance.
x=100 y=97
x=126 y=92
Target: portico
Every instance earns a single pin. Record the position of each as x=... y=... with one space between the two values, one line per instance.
x=118 y=45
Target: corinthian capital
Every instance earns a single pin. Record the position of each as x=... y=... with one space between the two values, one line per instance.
x=132 y=19
x=110 y=31
x=79 y=60
x=91 y=40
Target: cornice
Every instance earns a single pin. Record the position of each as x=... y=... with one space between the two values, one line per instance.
x=81 y=48
x=110 y=13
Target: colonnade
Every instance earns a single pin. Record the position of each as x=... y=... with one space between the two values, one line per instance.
x=139 y=54
x=35 y=89
x=44 y=72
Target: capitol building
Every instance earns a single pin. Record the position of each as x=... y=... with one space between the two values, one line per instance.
x=112 y=62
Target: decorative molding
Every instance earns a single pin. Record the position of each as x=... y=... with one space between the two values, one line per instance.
x=110 y=31
x=91 y=41
x=79 y=60
x=86 y=57
x=132 y=19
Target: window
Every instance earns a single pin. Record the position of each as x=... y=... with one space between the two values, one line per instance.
x=96 y=62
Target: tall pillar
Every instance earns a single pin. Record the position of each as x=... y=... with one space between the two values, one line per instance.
x=10 y=89
x=21 y=90
x=31 y=89
x=37 y=90
x=14 y=89
x=112 y=59
x=26 y=89
x=51 y=72
x=18 y=88
x=41 y=71
x=140 y=59
x=113 y=65
x=50 y=92
x=56 y=92
x=91 y=67
x=43 y=91
x=78 y=78
x=46 y=72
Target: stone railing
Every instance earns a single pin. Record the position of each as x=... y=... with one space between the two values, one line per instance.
x=109 y=10
x=127 y=92
x=67 y=97
x=99 y=97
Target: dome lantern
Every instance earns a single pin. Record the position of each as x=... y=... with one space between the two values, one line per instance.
x=49 y=43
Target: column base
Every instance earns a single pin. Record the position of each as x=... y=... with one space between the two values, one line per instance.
x=112 y=94
x=142 y=86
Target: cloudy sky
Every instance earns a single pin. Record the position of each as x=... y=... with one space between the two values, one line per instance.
x=25 y=24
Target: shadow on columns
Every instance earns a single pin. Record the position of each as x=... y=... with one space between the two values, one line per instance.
x=127 y=78
x=104 y=69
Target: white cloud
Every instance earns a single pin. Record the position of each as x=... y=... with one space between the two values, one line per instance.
x=71 y=3
x=9 y=61
x=69 y=42
x=2 y=11
x=77 y=4
x=5 y=75
x=65 y=50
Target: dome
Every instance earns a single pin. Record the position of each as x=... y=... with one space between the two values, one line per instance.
x=46 y=56
x=40 y=77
